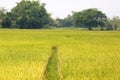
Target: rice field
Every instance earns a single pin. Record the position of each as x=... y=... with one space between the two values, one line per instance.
x=82 y=55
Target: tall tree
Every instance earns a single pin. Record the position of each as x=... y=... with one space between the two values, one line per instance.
x=2 y=14
x=30 y=14
x=115 y=22
x=90 y=18
x=66 y=22
x=4 y=19
x=6 y=22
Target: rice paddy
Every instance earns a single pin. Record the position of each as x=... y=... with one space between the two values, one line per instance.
x=81 y=55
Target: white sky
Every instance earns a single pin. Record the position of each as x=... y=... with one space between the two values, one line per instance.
x=61 y=8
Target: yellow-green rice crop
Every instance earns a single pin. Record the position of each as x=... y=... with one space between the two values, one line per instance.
x=83 y=55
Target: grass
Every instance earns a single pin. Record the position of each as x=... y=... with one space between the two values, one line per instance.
x=51 y=72
x=84 y=55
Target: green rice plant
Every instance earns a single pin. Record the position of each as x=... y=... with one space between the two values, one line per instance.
x=83 y=55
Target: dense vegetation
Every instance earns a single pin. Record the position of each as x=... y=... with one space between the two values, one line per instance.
x=80 y=55
x=90 y=18
x=26 y=15
x=30 y=14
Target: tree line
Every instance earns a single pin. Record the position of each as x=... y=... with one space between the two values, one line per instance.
x=33 y=15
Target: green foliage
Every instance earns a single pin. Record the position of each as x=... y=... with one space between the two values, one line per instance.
x=115 y=22
x=89 y=18
x=66 y=22
x=59 y=22
x=2 y=12
x=6 y=22
x=2 y=15
x=29 y=14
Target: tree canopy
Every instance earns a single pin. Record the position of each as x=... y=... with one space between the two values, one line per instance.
x=115 y=22
x=89 y=18
x=28 y=15
x=2 y=14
